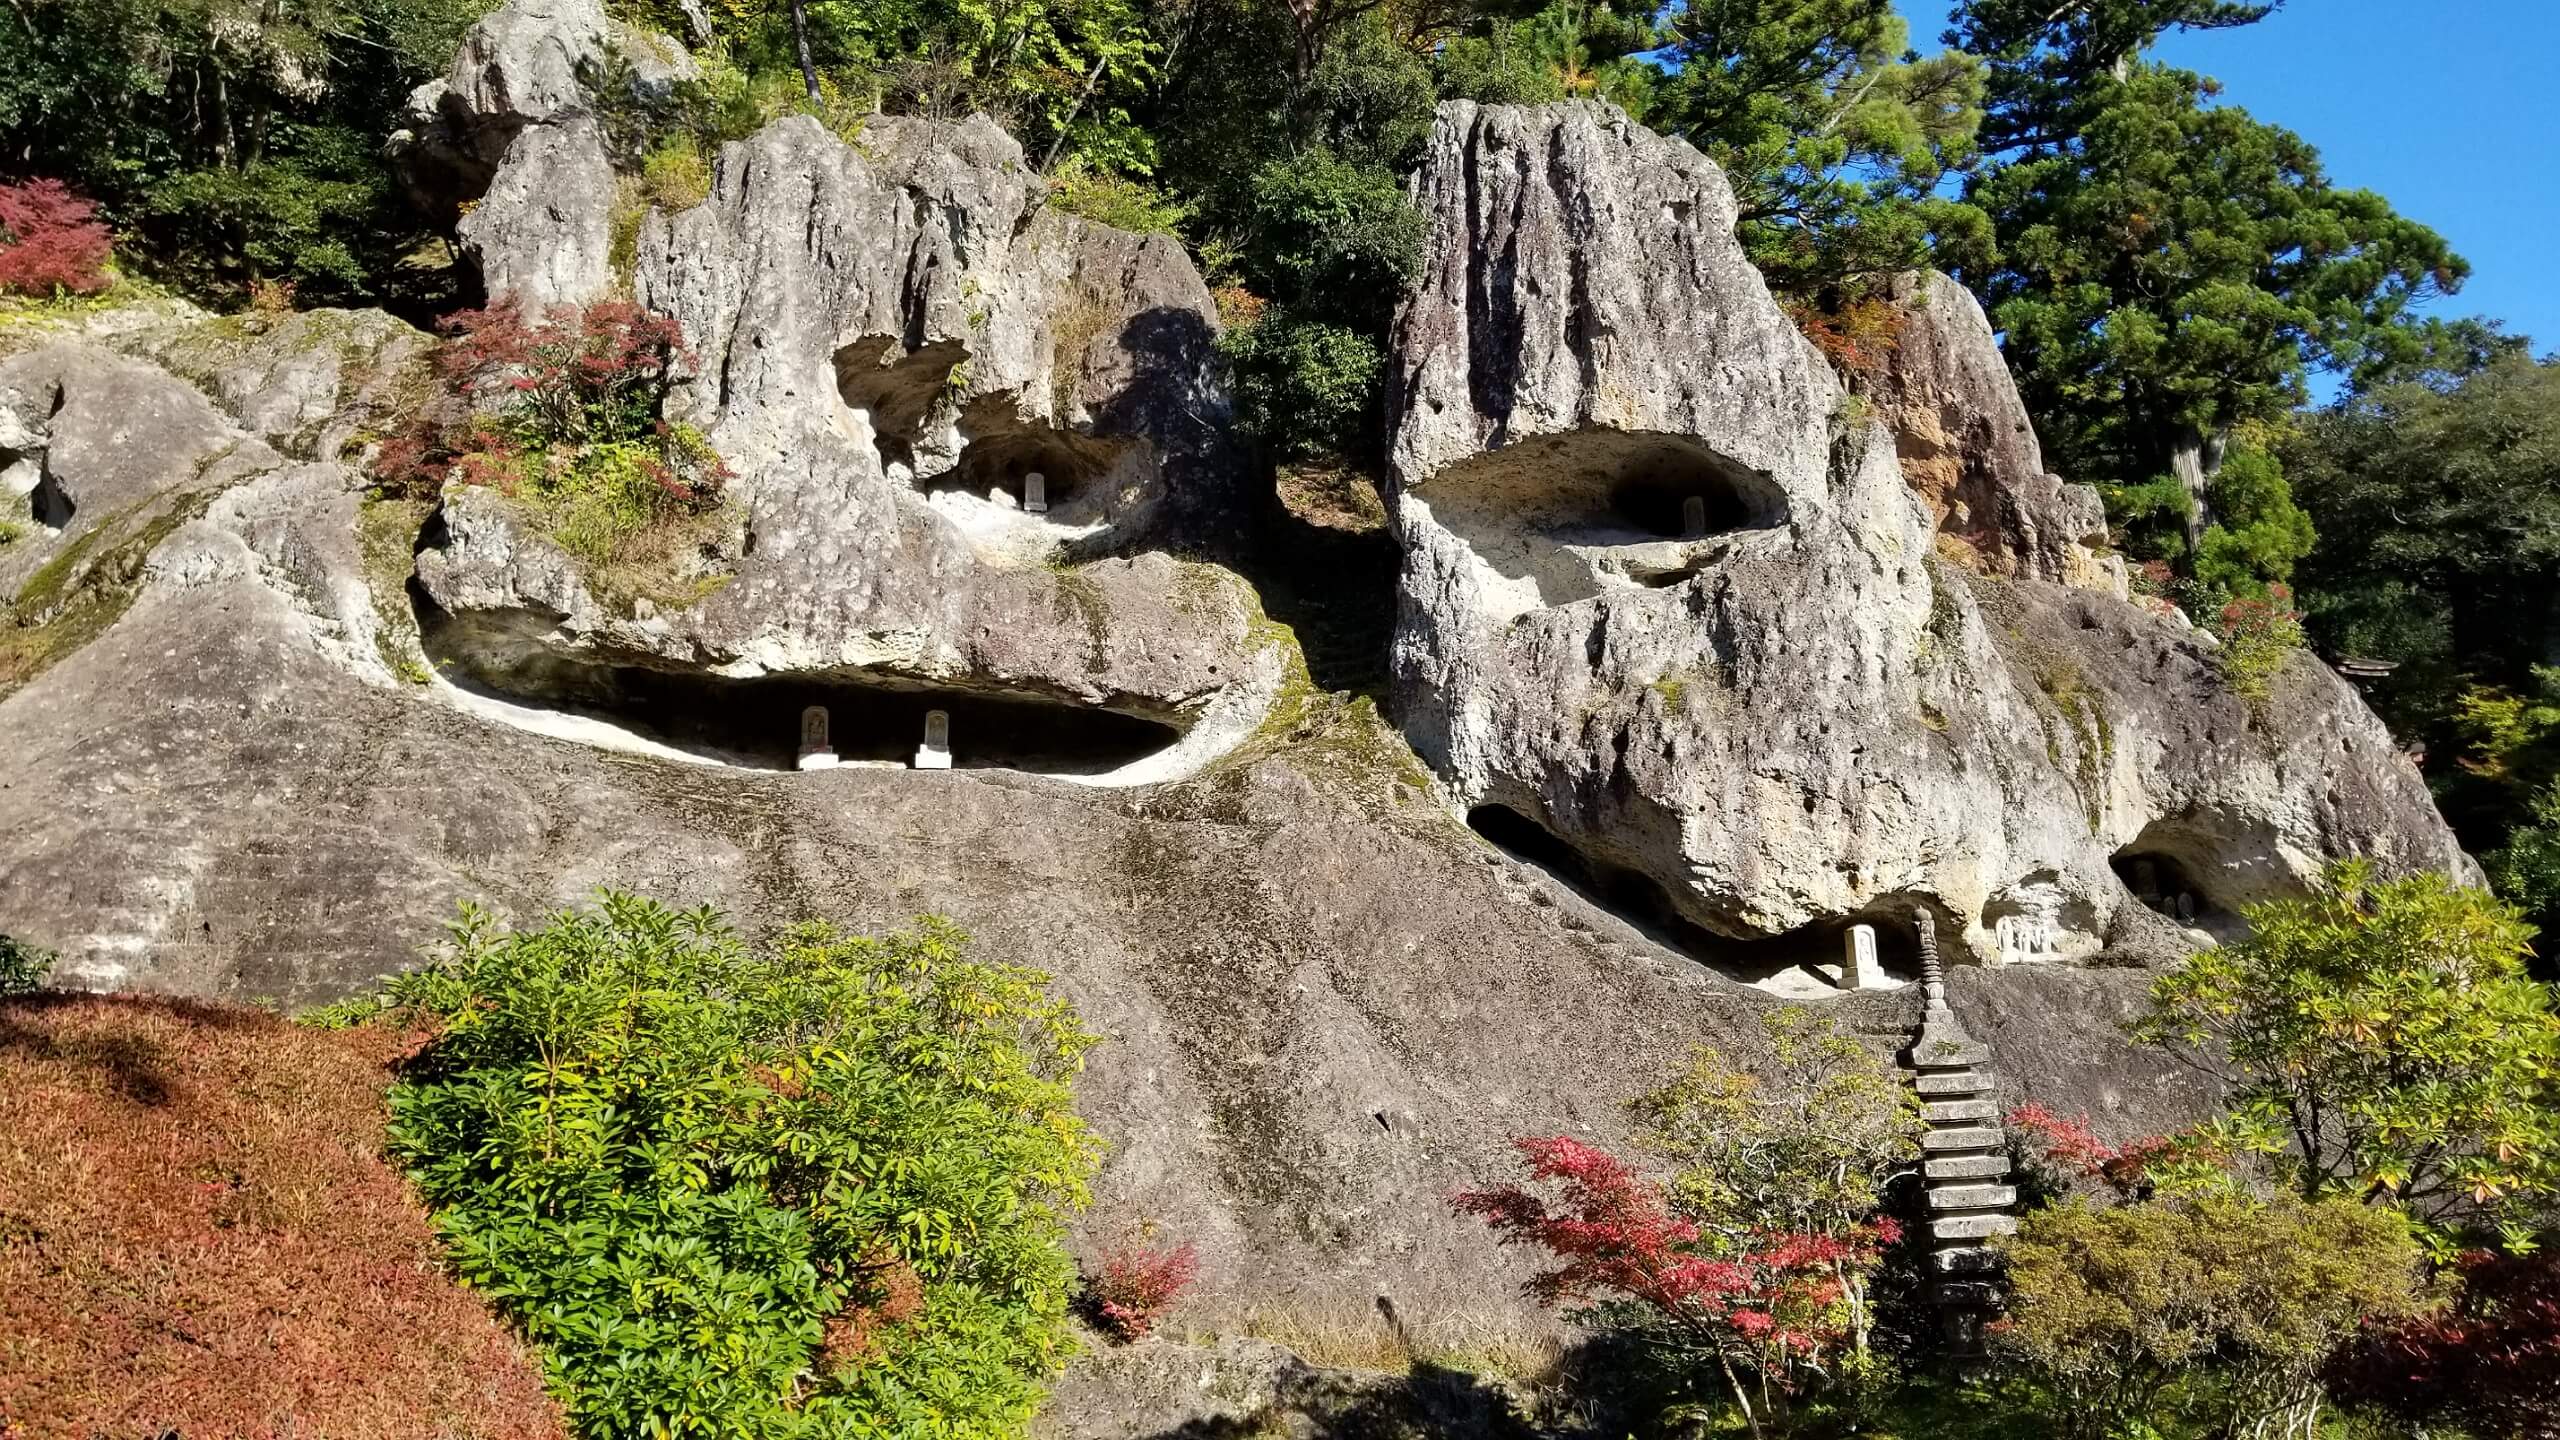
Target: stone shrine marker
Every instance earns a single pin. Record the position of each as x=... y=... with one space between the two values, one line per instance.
x=1693 y=518
x=815 y=752
x=1035 y=494
x=1858 y=967
x=935 y=754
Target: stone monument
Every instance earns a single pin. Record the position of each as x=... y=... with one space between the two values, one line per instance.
x=935 y=753
x=815 y=751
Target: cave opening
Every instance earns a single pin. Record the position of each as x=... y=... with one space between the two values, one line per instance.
x=1555 y=519
x=1809 y=955
x=2166 y=885
x=1001 y=456
x=756 y=722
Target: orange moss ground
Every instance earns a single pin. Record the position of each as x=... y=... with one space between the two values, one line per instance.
x=198 y=1237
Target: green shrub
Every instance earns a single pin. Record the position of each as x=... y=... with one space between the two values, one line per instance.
x=806 y=1190
x=2216 y=1304
x=1079 y=188
x=2258 y=632
x=23 y=967
x=1304 y=387
x=675 y=176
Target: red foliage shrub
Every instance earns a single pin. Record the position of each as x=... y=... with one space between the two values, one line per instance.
x=197 y=1238
x=2070 y=1145
x=1137 y=1283
x=896 y=1296
x=1767 y=1302
x=580 y=374
x=50 y=241
x=2489 y=1364
x=524 y=396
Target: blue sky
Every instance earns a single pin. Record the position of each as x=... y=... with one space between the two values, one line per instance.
x=2447 y=107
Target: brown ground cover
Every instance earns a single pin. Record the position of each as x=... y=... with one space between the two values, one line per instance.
x=198 y=1238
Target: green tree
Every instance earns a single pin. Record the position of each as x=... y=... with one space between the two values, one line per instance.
x=1834 y=134
x=1802 y=1145
x=810 y=1190
x=2380 y=1040
x=2168 y=268
x=231 y=141
x=2234 y=1302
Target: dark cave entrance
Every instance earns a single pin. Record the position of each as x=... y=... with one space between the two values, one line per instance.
x=1680 y=502
x=2165 y=885
x=1642 y=902
x=756 y=722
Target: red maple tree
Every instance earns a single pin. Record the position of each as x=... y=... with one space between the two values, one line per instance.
x=1765 y=1305
x=50 y=241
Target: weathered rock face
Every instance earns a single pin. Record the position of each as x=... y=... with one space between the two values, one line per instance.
x=1670 y=611
x=1967 y=448
x=958 y=423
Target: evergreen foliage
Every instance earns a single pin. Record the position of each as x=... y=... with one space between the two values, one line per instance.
x=2381 y=1041
x=807 y=1190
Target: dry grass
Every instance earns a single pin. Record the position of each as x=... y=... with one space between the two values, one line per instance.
x=197 y=1237
x=1484 y=1345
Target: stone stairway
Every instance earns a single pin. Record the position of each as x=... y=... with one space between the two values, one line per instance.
x=1965 y=1156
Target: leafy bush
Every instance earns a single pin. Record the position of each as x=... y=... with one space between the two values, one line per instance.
x=2258 y=633
x=1303 y=387
x=198 y=1237
x=565 y=414
x=810 y=1190
x=23 y=967
x=1331 y=232
x=2110 y=1308
x=2381 y=1040
x=50 y=241
x=1137 y=1283
x=2488 y=1363
x=1079 y=188
x=675 y=176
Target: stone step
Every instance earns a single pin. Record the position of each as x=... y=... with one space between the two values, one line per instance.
x=1950 y=1112
x=1957 y=1082
x=1965 y=1260
x=1972 y=1197
x=1969 y=1137
x=1972 y=1227
x=1968 y=1167
x=1949 y=1055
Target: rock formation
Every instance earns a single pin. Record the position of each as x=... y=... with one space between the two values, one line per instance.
x=959 y=421
x=1671 y=611
x=1672 y=620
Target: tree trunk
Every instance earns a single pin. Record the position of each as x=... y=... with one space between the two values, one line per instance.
x=800 y=39
x=2194 y=457
x=1050 y=160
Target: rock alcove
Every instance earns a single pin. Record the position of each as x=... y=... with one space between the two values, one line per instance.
x=976 y=460
x=1559 y=518
x=754 y=722
x=1803 y=962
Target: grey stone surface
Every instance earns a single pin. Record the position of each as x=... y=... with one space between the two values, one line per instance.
x=1966 y=1167
x=887 y=340
x=1806 y=717
x=542 y=231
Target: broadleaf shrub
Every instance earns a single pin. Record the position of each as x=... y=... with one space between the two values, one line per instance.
x=23 y=967
x=1137 y=1283
x=810 y=1190
x=51 y=242
x=2112 y=1310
